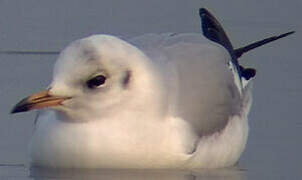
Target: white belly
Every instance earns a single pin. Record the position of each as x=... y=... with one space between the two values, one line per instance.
x=118 y=144
x=108 y=144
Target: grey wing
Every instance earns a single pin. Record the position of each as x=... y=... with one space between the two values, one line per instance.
x=201 y=87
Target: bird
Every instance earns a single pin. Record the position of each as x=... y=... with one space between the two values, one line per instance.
x=158 y=101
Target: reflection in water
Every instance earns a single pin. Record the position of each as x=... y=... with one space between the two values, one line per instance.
x=110 y=174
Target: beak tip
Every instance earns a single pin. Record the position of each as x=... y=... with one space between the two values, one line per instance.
x=37 y=101
x=13 y=111
x=22 y=106
x=18 y=109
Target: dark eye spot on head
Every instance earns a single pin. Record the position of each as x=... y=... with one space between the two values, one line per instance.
x=96 y=81
x=126 y=78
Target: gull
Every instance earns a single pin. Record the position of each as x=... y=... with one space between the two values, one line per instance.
x=154 y=101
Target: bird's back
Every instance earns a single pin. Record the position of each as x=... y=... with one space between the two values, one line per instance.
x=199 y=84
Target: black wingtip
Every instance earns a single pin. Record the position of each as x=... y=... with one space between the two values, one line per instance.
x=213 y=30
x=203 y=11
x=240 y=51
x=286 y=34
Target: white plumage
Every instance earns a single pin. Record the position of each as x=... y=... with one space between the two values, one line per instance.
x=179 y=108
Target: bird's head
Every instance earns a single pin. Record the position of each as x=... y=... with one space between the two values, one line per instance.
x=97 y=77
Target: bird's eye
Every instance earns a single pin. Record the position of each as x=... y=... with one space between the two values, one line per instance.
x=96 y=81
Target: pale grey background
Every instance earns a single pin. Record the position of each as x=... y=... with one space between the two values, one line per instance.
x=274 y=146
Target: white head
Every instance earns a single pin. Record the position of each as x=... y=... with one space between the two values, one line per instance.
x=99 y=77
